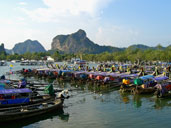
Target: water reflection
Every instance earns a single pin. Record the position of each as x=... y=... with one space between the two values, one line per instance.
x=64 y=117
x=125 y=97
x=162 y=103
x=137 y=101
x=103 y=93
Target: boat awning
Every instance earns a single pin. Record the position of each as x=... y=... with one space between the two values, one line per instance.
x=129 y=75
x=13 y=91
x=146 y=77
x=66 y=70
x=161 y=78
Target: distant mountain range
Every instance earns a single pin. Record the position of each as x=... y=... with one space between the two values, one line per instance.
x=76 y=42
x=27 y=46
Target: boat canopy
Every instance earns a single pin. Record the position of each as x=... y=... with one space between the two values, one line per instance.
x=138 y=81
x=5 y=81
x=161 y=78
x=146 y=77
x=67 y=70
x=13 y=91
x=129 y=75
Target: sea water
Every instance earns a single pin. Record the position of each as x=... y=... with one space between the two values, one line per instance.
x=98 y=107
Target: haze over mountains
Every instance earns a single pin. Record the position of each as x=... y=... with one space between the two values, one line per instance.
x=77 y=42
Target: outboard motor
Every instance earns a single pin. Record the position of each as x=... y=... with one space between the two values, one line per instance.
x=64 y=94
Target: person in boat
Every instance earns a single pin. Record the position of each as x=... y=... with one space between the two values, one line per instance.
x=113 y=68
x=22 y=83
x=104 y=69
x=93 y=68
x=97 y=69
x=23 y=69
x=3 y=77
x=120 y=68
x=167 y=71
x=87 y=68
x=57 y=66
x=64 y=94
x=29 y=70
x=128 y=69
x=74 y=68
x=79 y=68
x=161 y=89
x=156 y=71
x=142 y=72
x=49 y=90
x=61 y=67
x=100 y=68
x=164 y=71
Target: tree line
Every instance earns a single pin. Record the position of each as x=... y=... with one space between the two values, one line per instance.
x=122 y=56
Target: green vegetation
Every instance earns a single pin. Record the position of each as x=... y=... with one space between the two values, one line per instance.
x=27 y=55
x=133 y=55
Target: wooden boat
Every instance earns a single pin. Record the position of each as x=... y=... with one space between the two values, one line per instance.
x=29 y=111
x=140 y=90
x=163 y=87
x=127 y=82
x=3 y=63
x=144 y=85
x=126 y=88
x=17 y=97
x=141 y=85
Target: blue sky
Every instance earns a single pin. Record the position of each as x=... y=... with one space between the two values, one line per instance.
x=117 y=23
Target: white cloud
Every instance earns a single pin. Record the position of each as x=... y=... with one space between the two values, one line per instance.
x=6 y=21
x=57 y=9
x=22 y=3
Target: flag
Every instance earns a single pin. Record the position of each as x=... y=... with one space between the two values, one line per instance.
x=11 y=65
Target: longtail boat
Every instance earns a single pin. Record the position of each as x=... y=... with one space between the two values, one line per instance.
x=18 y=97
x=30 y=111
x=163 y=87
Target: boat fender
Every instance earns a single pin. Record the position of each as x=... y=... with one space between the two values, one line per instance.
x=23 y=109
x=45 y=105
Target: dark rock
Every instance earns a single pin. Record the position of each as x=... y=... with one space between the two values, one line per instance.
x=28 y=46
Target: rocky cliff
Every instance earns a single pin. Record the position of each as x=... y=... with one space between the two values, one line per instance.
x=28 y=46
x=79 y=42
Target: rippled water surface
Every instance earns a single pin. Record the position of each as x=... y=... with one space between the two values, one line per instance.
x=102 y=107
